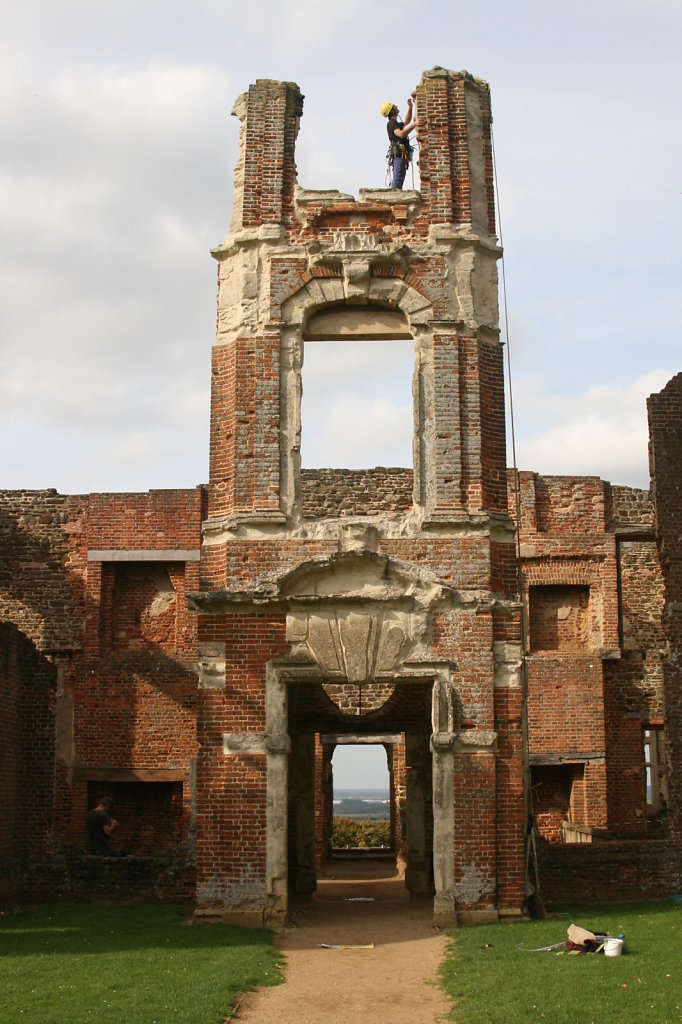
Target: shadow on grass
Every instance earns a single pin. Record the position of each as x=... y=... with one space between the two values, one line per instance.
x=76 y=929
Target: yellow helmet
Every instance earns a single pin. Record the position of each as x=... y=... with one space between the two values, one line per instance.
x=386 y=108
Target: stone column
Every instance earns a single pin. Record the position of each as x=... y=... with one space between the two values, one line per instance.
x=444 y=910
x=277 y=748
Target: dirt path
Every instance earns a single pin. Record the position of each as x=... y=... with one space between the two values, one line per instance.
x=394 y=983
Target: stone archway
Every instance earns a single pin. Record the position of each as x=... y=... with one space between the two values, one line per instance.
x=358 y=622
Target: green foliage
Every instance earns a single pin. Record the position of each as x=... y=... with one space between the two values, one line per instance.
x=494 y=977
x=360 y=832
x=135 y=964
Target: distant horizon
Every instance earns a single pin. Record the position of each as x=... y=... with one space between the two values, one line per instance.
x=338 y=790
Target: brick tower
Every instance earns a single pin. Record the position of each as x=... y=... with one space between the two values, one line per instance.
x=338 y=606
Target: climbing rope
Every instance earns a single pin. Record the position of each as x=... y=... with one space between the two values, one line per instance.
x=528 y=802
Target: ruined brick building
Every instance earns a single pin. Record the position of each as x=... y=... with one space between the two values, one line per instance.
x=200 y=653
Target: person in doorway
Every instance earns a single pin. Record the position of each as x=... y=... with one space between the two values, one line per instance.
x=398 y=136
x=100 y=825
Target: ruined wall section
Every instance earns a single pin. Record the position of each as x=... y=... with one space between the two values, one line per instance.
x=665 y=461
x=99 y=583
x=127 y=708
x=592 y=587
x=40 y=583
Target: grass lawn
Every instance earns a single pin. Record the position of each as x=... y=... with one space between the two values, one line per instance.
x=494 y=979
x=66 y=964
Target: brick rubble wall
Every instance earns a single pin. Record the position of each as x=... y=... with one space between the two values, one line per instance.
x=609 y=872
x=357 y=492
x=40 y=589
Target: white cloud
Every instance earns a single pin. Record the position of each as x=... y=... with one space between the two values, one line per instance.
x=601 y=432
x=108 y=289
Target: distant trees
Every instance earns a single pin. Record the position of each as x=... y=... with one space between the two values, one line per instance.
x=363 y=833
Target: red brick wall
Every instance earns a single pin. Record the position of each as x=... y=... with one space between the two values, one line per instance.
x=565 y=705
x=510 y=797
x=475 y=846
x=444 y=157
x=231 y=790
x=269 y=169
x=609 y=872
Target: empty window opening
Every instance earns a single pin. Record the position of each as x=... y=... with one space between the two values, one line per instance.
x=151 y=816
x=654 y=765
x=361 y=798
x=559 y=802
x=356 y=408
x=559 y=618
x=139 y=605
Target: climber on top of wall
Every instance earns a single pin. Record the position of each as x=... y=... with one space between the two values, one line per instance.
x=400 y=151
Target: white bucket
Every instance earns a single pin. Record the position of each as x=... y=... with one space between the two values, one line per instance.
x=613 y=947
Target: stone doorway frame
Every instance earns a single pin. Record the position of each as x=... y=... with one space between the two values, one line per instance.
x=287 y=670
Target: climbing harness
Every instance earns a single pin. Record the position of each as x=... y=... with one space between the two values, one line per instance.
x=406 y=151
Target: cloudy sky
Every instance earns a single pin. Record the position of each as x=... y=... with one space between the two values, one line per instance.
x=116 y=179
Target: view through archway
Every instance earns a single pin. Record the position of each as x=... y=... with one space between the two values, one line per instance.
x=361 y=801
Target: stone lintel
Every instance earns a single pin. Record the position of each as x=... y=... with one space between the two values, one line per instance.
x=247 y=237
x=252 y=525
x=455 y=522
x=596 y=756
x=225 y=602
x=85 y=773
x=303 y=196
x=461 y=234
x=623 y=531
x=357 y=322
x=243 y=743
x=354 y=738
x=144 y=555
x=392 y=196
